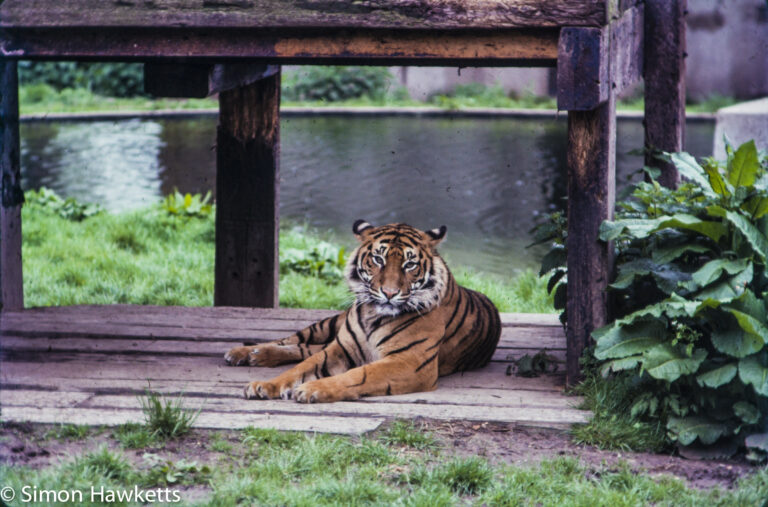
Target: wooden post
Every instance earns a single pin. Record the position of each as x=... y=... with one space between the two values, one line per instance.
x=247 y=160
x=665 y=82
x=587 y=83
x=11 y=287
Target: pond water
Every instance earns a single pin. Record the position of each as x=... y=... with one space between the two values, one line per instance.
x=486 y=179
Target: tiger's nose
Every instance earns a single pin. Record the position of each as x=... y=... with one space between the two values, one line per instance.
x=390 y=293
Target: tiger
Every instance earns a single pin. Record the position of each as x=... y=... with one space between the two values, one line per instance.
x=410 y=323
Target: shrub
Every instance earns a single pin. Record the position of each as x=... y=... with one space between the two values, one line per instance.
x=332 y=84
x=689 y=296
x=109 y=79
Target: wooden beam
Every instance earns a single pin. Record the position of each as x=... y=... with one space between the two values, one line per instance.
x=11 y=287
x=199 y=80
x=514 y=47
x=582 y=68
x=583 y=78
x=247 y=161
x=301 y=14
x=664 y=82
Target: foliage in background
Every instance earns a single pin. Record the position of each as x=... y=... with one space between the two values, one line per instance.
x=323 y=260
x=481 y=95
x=691 y=332
x=69 y=208
x=337 y=83
x=188 y=205
x=107 y=79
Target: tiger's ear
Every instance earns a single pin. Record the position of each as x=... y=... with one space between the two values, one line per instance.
x=437 y=235
x=359 y=228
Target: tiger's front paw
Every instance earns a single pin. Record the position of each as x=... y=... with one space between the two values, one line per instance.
x=267 y=391
x=238 y=356
x=319 y=391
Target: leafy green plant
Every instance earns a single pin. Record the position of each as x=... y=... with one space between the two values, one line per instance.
x=333 y=84
x=689 y=293
x=322 y=260
x=167 y=417
x=164 y=472
x=188 y=205
x=108 y=79
x=69 y=208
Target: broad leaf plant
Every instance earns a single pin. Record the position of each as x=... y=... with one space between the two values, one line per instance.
x=689 y=297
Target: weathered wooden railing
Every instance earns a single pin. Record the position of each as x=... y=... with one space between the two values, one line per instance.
x=200 y=47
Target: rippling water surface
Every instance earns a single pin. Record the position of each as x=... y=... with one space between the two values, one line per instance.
x=486 y=179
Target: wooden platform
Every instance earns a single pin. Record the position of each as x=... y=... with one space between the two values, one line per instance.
x=88 y=364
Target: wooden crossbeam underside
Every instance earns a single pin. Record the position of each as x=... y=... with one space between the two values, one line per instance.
x=87 y=365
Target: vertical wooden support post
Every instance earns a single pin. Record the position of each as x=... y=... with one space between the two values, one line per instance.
x=247 y=161
x=591 y=198
x=665 y=82
x=11 y=287
x=585 y=75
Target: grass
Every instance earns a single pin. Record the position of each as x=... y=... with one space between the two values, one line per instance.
x=407 y=434
x=41 y=98
x=296 y=469
x=151 y=257
x=167 y=417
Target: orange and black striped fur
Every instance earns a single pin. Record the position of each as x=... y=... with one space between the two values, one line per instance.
x=410 y=323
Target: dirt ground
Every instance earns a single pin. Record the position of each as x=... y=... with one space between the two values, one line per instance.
x=27 y=444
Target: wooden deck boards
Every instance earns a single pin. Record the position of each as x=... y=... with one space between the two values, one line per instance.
x=89 y=364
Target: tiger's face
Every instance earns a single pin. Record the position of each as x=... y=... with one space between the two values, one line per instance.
x=396 y=268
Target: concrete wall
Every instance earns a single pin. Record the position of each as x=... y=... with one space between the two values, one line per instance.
x=727 y=48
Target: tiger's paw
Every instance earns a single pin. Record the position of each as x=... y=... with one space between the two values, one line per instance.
x=270 y=355
x=238 y=356
x=319 y=392
x=267 y=391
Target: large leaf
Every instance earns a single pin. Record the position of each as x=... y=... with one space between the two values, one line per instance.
x=730 y=288
x=666 y=276
x=752 y=371
x=716 y=181
x=750 y=232
x=747 y=412
x=743 y=167
x=688 y=429
x=756 y=206
x=642 y=228
x=626 y=363
x=674 y=306
x=735 y=342
x=669 y=254
x=665 y=362
x=717 y=377
x=714 y=269
x=690 y=169
x=617 y=341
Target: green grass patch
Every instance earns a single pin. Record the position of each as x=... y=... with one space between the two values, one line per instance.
x=68 y=432
x=297 y=469
x=405 y=433
x=153 y=257
x=135 y=436
x=167 y=417
x=41 y=98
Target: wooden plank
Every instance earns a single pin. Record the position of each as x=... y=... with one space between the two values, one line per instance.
x=298 y=14
x=511 y=337
x=231 y=317
x=247 y=180
x=42 y=398
x=213 y=420
x=591 y=195
x=517 y=414
x=664 y=83
x=537 y=48
x=11 y=194
x=82 y=368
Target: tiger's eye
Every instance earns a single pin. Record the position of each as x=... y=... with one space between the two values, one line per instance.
x=409 y=265
x=378 y=260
